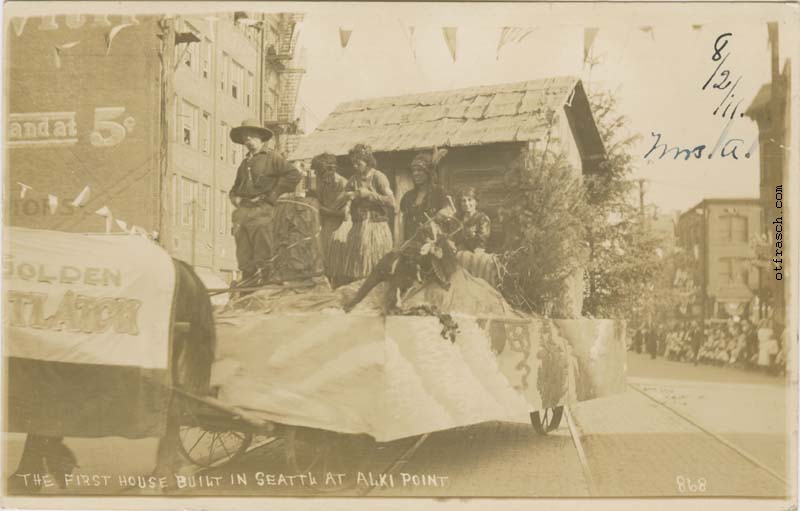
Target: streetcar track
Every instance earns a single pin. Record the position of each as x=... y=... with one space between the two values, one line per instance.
x=713 y=435
x=191 y=470
x=575 y=434
x=574 y=429
x=395 y=465
x=398 y=463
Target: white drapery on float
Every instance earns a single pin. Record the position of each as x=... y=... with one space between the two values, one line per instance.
x=396 y=376
x=83 y=361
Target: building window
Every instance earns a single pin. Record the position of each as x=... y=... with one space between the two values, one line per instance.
x=734 y=228
x=726 y=270
x=192 y=50
x=188 y=198
x=208 y=51
x=205 y=208
x=189 y=114
x=743 y=273
x=224 y=69
x=205 y=133
x=176 y=200
x=237 y=79
x=222 y=134
x=733 y=271
x=249 y=90
x=222 y=212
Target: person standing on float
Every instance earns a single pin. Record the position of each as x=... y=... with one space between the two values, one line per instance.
x=330 y=186
x=371 y=204
x=262 y=177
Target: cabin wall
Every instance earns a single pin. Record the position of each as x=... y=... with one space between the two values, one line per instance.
x=568 y=145
x=482 y=167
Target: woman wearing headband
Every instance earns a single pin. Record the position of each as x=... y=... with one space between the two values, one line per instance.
x=426 y=199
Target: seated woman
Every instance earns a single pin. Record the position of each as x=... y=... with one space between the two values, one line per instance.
x=424 y=272
x=427 y=198
x=475 y=226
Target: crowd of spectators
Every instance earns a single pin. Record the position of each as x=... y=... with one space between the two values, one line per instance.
x=720 y=343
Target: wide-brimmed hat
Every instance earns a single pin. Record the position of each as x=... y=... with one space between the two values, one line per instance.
x=252 y=126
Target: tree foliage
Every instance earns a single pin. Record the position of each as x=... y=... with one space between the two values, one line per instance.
x=558 y=222
x=622 y=274
x=542 y=218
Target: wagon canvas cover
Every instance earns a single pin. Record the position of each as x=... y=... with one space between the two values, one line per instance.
x=87 y=327
x=396 y=376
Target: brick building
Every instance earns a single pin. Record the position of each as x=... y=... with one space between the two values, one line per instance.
x=770 y=109
x=717 y=234
x=139 y=108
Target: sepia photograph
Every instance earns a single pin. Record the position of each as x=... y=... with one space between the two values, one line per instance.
x=457 y=255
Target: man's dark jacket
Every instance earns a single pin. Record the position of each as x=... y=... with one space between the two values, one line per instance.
x=265 y=174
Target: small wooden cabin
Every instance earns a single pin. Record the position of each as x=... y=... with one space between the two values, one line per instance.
x=484 y=128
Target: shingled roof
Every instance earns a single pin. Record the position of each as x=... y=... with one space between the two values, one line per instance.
x=513 y=112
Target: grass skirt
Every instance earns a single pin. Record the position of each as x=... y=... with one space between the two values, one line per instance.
x=367 y=243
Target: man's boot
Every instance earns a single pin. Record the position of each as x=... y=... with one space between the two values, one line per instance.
x=32 y=462
x=60 y=460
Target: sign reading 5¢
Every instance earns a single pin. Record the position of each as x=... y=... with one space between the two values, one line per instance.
x=107 y=131
x=110 y=127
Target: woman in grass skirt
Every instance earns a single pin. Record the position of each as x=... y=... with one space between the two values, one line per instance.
x=329 y=186
x=371 y=203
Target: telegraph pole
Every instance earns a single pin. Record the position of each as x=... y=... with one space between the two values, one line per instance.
x=641 y=197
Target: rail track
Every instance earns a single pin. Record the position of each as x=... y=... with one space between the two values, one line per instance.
x=405 y=454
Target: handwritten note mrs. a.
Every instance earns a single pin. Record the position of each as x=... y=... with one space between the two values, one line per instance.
x=718 y=83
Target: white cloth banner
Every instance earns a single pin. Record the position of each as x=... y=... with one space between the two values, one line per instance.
x=395 y=377
x=87 y=299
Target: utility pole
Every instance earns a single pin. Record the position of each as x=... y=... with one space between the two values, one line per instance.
x=641 y=197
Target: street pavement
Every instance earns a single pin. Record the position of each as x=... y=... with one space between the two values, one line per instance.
x=665 y=436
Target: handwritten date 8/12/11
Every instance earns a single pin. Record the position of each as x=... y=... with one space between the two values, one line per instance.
x=720 y=79
x=689 y=485
x=725 y=147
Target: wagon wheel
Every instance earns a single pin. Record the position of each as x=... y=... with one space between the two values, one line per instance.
x=210 y=440
x=320 y=452
x=305 y=451
x=547 y=420
x=207 y=448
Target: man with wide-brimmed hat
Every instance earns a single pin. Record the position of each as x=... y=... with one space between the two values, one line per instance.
x=263 y=175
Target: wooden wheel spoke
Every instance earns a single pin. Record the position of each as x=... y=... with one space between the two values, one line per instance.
x=211 y=448
x=197 y=441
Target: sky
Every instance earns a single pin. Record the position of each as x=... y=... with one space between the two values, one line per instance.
x=656 y=73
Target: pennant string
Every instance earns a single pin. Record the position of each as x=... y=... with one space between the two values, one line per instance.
x=82 y=197
x=52 y=203
x=23 y=189
x=511 y=35
x=344 y=37
x=450 y=38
